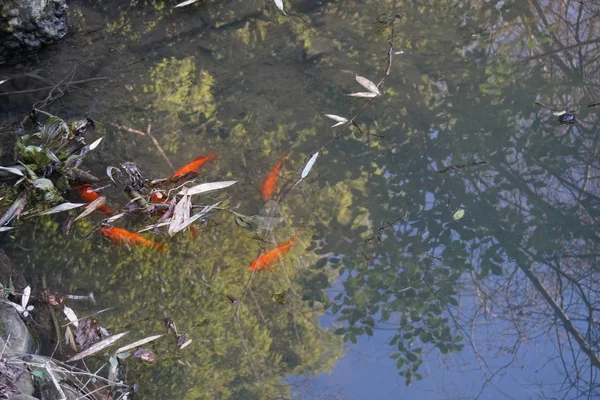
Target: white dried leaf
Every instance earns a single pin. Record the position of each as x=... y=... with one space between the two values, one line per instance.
x=15 y=171
x=205 y=187
x=367 y=84
x=195 y=217
x=95 y=144
x=311 y=162
x=60 y=208
x=101 y=345
x=151 y=227
x=4 y=81
x=185 y=3
x=558 y=113
x=113 y=218
x=186 y=344
x=93 y=206
x=138 y=343
x=109 y=173
x=340 y=120
x=363 y=94
x=181 y=213
x=6 y=228
x=71 y=316
x=25 y=297
x=279 y=4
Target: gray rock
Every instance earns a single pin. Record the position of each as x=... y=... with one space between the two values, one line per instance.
x=27 y=25
x=22 y=397
x=14 y=329
x=25 y=383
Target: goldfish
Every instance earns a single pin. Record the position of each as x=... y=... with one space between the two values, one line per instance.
x=119 y=235
x=194 y=166
x=269 y=186
x=158 y=197
x=265 y=259
x=88 y=195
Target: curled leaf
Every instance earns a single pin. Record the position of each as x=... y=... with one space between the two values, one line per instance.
x=109 y=172
x=101 y=345
x=145 y=355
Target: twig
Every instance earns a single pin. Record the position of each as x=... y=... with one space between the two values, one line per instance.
x=131 y=130
x=52 y=87
x=460 y=166
x=55 y=381
x=160 y=150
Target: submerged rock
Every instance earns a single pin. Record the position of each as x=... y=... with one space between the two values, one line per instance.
x=13 y=329
x=27 y=25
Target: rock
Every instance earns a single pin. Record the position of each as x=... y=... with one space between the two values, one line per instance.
x=8 y=273
x=22 y=397
x=25 y=383
x=12 y=325
x=27 y=25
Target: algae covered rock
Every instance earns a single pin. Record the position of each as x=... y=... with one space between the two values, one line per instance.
x=27 y=25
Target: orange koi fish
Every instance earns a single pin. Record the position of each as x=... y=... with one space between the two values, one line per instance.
x=265 y=259
x=88 y=195
x=194 y=166
x=271 y=182
x=158 y=197
x=118 y=235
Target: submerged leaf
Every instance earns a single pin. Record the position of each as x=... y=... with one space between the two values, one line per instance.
x=181 y=214
x=60 y=208
x=71 y=316
x=138 y=343
x=15 y=171
x=93 y=206
x=109 y=173
x=95 y=144
x=98 y=347
x=205 y=187
x=279 y=4
x=88 y=333
x=340 y=120
x=363 y=94
x=459 y=214
x=25 y=297
x=145 y=355
x=185 y=3
x=367 y=84
x=279 y=297
x=308 y=167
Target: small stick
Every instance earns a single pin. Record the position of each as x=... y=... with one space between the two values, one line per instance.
x=131 y=130
x=160 y=150
x=55 y=381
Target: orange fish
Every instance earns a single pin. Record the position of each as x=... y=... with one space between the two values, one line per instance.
x=265 y=259
x=194 y=166
x=158 y=197
x=118 y=235
x=88 y=195
x=269 y=186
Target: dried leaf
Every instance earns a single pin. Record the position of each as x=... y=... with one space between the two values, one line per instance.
x=88 y=333
x=181 y=214
x=6 y=228
x=70 y=339
x=206 y=187
x=145 y=355
x=363 y=94
x=101 y=345
x=558 y=113
x=109 y=172
x=186 y=344
x=367 y=84
x=193 y=218
x=93 y=206
x=138 y=343
x=4 y=81
x=113 y=218
x=95 y=144
x=25 y=297
x=60 y=208
x=308 y=167
x=71 y=316
x=279 y=4
x=185 y=3
x=340 y=120
x=280 y=297
x=15 y=171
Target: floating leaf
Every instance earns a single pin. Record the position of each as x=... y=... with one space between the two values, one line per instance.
x=459 y=214
x=340 y=120
x=113 y=218
x=367 y=84
x=205 y=187
x=95 y=144
x=308 y=167
x=109 y=172
x=43 y=184
x=186 y=344
x=193 y=218
x=93 y=206
x=15 y=171
x=60 y=208
x=558 y=113
x=181 y=214
x=185 y=3
x=363 y=94
x=279 y=4
x=138 y=343
x=4 y=81
x=101 y=345
x=88 y=333
x=71 y=316
x=6 y=228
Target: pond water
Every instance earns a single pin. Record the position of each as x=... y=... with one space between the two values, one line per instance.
x=449 y=241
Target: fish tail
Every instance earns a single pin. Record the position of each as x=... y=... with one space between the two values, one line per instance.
x=212 y=155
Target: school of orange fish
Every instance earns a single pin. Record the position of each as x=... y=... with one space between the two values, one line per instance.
x=123 y=236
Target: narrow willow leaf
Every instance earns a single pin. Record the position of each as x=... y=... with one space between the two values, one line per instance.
x=185 y=3
x=340 y=120
x=151 y=227
x=101 y=345
x=205 y=187
x=25 y=297
x=4 y=81
x=93 y=206
x=558 y=113
x=279 y=4
x=6 y=228
x=138 y=343
x=181 y=213
x=364 y=94
x=186 y=344
x=109 y=172
x=15 y=171
x=113 y=218
x=71 y=316
x=95 y=144
x=308 y=167
x=459 y=214
x=367 y=84
x=60 y=208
